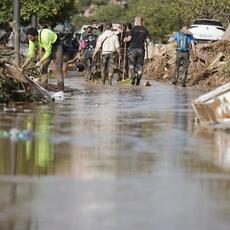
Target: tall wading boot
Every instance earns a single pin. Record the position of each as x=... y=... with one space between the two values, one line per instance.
x=110 y=78
x=175 y=79
x=44 y=80
x=132 y=75
x=103 y=77
x=133 y=80
x=183 y=84
x=139 y=75
x=61 y=85
x=87 y=75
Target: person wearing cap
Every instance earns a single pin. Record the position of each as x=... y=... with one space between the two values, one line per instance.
x=49 y=41
x=185 y=42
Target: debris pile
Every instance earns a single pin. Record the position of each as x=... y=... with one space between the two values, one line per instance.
x=214 y=107
x=210 y=68
x=19 y=86
x=16 y=85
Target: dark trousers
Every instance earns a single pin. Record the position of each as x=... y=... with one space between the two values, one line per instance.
x=88 y=53
x=136 y=62
x=57 y=57
x=181 y=58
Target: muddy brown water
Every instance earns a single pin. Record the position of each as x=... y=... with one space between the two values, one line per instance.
x=114 y=158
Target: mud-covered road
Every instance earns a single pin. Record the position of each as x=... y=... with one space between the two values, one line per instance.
x=113 y=159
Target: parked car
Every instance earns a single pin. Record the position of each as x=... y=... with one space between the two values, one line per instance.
x=207 y=29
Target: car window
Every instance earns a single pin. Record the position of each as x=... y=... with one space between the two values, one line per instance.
x=207 y=22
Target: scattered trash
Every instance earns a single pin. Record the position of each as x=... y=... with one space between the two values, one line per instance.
x=17 y=134
x=18 y=86
x=59 y=96
x=5 y=109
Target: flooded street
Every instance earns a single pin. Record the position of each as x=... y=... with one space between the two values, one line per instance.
x=114 y=158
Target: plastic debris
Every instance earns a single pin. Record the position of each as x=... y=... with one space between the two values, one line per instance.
x=59 y=96
x=17 y=134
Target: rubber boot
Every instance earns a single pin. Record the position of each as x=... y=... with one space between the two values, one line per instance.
x=103 y=77
x=132 y=80
x=61 y=85
x=132 y=75
x=175 y=79
x=183 y=84
x=87 y=75
x=138 y=79
x=44 y=80
x=110 y=78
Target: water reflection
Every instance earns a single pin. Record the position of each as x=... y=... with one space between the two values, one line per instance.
x=29 y=157
x=109 y=132
x=216 y=145
x=96 y=138
x=223 y=142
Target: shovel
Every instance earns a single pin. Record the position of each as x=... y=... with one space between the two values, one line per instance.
x=124 y=81
x=147 y=83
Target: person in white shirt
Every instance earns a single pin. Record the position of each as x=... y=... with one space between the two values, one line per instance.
x=109 y=45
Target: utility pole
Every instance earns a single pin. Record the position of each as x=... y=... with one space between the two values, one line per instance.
x=34 y=22
x=17 y=31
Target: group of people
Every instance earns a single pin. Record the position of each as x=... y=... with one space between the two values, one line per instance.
x=110 y=49
x=93 y=41
x=107 y=47
x=127 y=50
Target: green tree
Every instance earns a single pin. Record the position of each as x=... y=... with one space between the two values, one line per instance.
x=5 y=10
x=46 y=10
x=162 y=17
x=110 y=13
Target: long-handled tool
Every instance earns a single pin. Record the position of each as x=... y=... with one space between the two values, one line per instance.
x=147 y=83
x=124 y=81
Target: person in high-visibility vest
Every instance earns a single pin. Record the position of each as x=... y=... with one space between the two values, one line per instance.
x=48 y=40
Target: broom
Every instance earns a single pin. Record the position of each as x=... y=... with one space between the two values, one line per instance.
x=124 y=81
x=147 y=83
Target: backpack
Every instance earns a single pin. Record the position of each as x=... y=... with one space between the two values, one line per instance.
x=90 y=41
x=183 y=42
